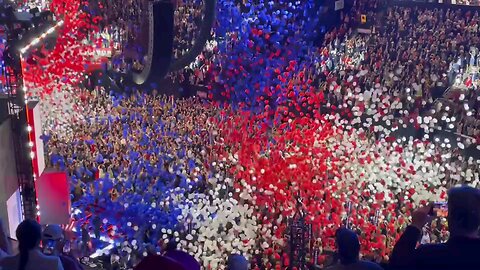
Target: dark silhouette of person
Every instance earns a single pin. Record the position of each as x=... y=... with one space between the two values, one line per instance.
x=29 y=234
x=348 y=252
x=461 y=251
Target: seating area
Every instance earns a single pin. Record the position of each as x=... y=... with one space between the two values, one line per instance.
x=357 y=147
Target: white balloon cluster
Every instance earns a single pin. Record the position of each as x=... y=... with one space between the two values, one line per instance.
x=221 y=223
x=396 y=167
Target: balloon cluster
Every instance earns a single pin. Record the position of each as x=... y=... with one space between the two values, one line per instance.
x=226 y=178
x=53 y=78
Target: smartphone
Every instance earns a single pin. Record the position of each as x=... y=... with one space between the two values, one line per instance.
x=49 y=247
x=67 y=247
x=439 y=209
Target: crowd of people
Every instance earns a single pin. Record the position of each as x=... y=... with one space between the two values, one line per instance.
x=304 y=129
x=405 y=64
x=42 y=249
x=188 y=19
x=135 y=191
x=187 y=22
x=124 y=19
x=163 y=156
x=123 y=27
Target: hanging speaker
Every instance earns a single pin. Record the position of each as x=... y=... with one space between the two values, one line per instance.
x=160 y=43
x=163 y=39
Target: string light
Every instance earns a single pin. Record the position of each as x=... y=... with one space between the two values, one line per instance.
x=25 y=49
x=38 y=39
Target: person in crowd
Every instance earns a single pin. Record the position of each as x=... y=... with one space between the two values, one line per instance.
x=29 y=234
x=53 y=239
x=237 y=262
x=348 y=251
x=138 y=154
x=86 y=240
x=186 y=260
x=459 y=252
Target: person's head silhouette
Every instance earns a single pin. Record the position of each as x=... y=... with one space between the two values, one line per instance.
x=464 y=211
x=29 y=233
x=237 y=262
x=348 y=246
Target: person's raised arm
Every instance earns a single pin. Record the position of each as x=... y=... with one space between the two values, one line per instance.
x=403 y=254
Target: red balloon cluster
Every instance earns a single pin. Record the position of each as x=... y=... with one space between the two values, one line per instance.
x=65 y=64
x=293 y=161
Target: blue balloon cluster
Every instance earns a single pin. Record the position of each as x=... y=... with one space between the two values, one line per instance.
x=128 y=172
x=267 y=36
x=143 y=163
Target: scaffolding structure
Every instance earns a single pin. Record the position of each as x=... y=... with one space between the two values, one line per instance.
x=17 y=112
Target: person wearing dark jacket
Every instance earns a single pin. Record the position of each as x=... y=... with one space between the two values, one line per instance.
x=348 y=251
x=461 y=251
x=54 y=235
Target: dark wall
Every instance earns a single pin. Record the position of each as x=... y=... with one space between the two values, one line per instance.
x=8 y=172
x=3 y=108
x=163 y=42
